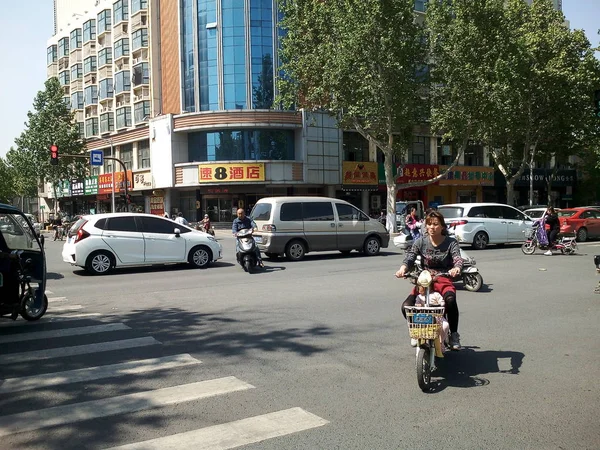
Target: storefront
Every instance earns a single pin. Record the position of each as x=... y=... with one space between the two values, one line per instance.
x=414 y=173
x=462 y=184
x=360 y=185
x=562 y=187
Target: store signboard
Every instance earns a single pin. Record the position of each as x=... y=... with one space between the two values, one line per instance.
x=467 y=176
x=90 y=185
x=227 y=173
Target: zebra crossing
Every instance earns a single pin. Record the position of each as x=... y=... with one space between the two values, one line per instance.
x=67 y=323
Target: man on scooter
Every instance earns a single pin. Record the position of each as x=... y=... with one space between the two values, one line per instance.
x=439 y=253
x=241 y=223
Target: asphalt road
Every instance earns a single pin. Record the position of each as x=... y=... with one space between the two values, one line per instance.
x=325 y=335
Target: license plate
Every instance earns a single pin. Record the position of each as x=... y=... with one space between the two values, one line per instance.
x=258 y=239
x=424 y=319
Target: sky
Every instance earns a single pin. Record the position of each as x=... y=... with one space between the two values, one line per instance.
x=26 y=25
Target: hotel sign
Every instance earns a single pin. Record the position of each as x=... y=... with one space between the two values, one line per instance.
x=227 y=173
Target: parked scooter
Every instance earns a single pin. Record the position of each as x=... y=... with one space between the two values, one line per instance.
x=536 y=237
x=246 y=249
x=425 y=326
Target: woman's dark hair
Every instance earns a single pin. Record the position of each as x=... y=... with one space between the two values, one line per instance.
x=437 y=215
x=551 y=209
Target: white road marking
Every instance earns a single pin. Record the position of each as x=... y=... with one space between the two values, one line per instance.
x=57 y=299
x=235 y=434
x=76 y=350
x=60 y=309
x=66 y=414
x=34 y=335
x=96 y=373
x=48 y=292
x=47 y=319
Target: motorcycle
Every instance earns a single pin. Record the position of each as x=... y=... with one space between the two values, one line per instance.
x=246 y=250
x=22 y=268
x=536 y=237
x=425 y=326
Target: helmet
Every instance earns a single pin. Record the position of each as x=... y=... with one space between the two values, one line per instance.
x=205 y=215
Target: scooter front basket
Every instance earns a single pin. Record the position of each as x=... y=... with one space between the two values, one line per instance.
x=424 y=322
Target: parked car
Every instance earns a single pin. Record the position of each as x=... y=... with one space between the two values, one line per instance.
x=298 y=225
x=583 y=222
x=535 y=213
x=481 y=224
x=101 y=242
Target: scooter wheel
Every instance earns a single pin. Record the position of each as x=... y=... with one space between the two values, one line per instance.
x=248 y=266
x=473 y=281
x=423 y=369
x=30 y=312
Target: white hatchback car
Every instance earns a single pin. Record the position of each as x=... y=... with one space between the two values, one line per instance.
x=480 y=224
x=101 y=242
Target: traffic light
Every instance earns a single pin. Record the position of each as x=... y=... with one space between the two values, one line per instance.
x=54 y=155
x=597 y=103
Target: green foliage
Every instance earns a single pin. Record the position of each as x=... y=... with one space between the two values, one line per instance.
x=51 y=122
x=7 y=189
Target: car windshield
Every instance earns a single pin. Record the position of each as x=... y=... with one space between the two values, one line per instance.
x=261 y=211
x=566 y=213
x=401 y=208
x=17 y=234
x=451 y=211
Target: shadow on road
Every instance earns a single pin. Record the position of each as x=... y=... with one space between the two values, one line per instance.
x=152 y=269
x=54 y=276
x=463 y=369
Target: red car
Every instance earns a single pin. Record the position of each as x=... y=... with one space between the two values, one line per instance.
x=583 y=222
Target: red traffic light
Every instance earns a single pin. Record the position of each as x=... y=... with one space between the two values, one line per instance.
x=54 y=155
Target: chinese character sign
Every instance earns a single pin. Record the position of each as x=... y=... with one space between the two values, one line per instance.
x=90 y=185
x=468 y=176
x=359 y=173
x=77 y=187
x=226 y=173
x=416 y=172
x=105 y=183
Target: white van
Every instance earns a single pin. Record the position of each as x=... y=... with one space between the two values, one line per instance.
x=295 y=226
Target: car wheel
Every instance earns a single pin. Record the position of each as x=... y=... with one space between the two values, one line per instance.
x=295 y=250
x=200 y=256
x=371 y=246
x=100 y=263
x=480 y=241
x=582 y=235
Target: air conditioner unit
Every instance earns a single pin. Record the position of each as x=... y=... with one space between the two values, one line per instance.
x=119 y=104
x=136 y=60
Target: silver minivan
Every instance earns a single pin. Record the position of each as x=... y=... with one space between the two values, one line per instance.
x=295 y=226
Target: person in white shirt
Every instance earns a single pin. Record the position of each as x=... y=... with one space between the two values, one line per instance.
x=180 y=219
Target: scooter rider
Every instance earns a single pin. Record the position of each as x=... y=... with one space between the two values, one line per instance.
x=241 y=223
x=551 y=220
x=439 y=253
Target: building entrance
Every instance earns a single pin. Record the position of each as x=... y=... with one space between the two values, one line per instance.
x=219 y=209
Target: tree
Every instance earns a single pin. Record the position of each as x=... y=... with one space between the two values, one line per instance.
x=262 y=93
x=51 y=122
x=7 y=190
x=512 y=76
x=363 y=62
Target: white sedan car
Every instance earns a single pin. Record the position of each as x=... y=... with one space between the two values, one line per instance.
x=101 y=242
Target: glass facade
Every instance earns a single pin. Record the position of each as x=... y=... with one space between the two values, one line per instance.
x=261 y=51
x=107 y=122
x=105 y=56
x=207 y=55
x=234 y=54
x=104 y=21
x=76 y=72
x=77 y=100
x=140 y=38
x=123 y=117
x=106 y=89
x=91 y=127
x=63 y=47
x=121 y=48
x=75 y=39
x=52 y=54
x=64 y=79
x=143 y=154
x=120 y=11
x=89 y=65
x=122 y=81
x=89 y=30
x=187 y=55
x=141 y=111
x=141 y=74
x=91 y=95
x=421 y=5
x=137 y=5
x=230 y=145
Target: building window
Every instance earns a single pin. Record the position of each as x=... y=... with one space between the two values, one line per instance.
x=77 y=100
x=137 y=5
x=261 y=51
x=230 y=145
x=63 y=78
x=63 y=47
x=95 y=171
x=51 y=55
x=356 y=147
x=106 y=89
x=75 y=39
x=104 y=21
x=419 y=153
x=89 y=65
x=421 y=5
x=121 y=48
x=107 y=122
x=108 y=163
x=91 y=127
x=141 y=111
x=81 y=130
x=140 y=38
x=76 y=72
x=89 y=30
x=143 y=154
x=91 y=95
x=474 y=155
x=122 y=81
x=187 y=52
x=126 y=155
x=207 y=48
x=120 y=11
x=104 y=56
x=234 y=55
x=123 y=117
x=446 y=152
x=141 y=74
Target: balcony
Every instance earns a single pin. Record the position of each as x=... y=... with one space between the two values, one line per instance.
x=79 y=115
x=104 y=41
x=52 y=70
x=91 y=111
x=89 y=49
x=105 y=72
x=141 y=93
x=122 y=99
x=90 y=78
x=77 y=85
x=140 y=20
x=120 y=31
x=76 y=55
x=67 y=91
x=106 y=105
x=63 y=63
x=139 y=56
x=122 y=64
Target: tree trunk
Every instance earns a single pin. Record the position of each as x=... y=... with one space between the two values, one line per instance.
x=531 y=184
x=510 y=191
x=392 y=190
